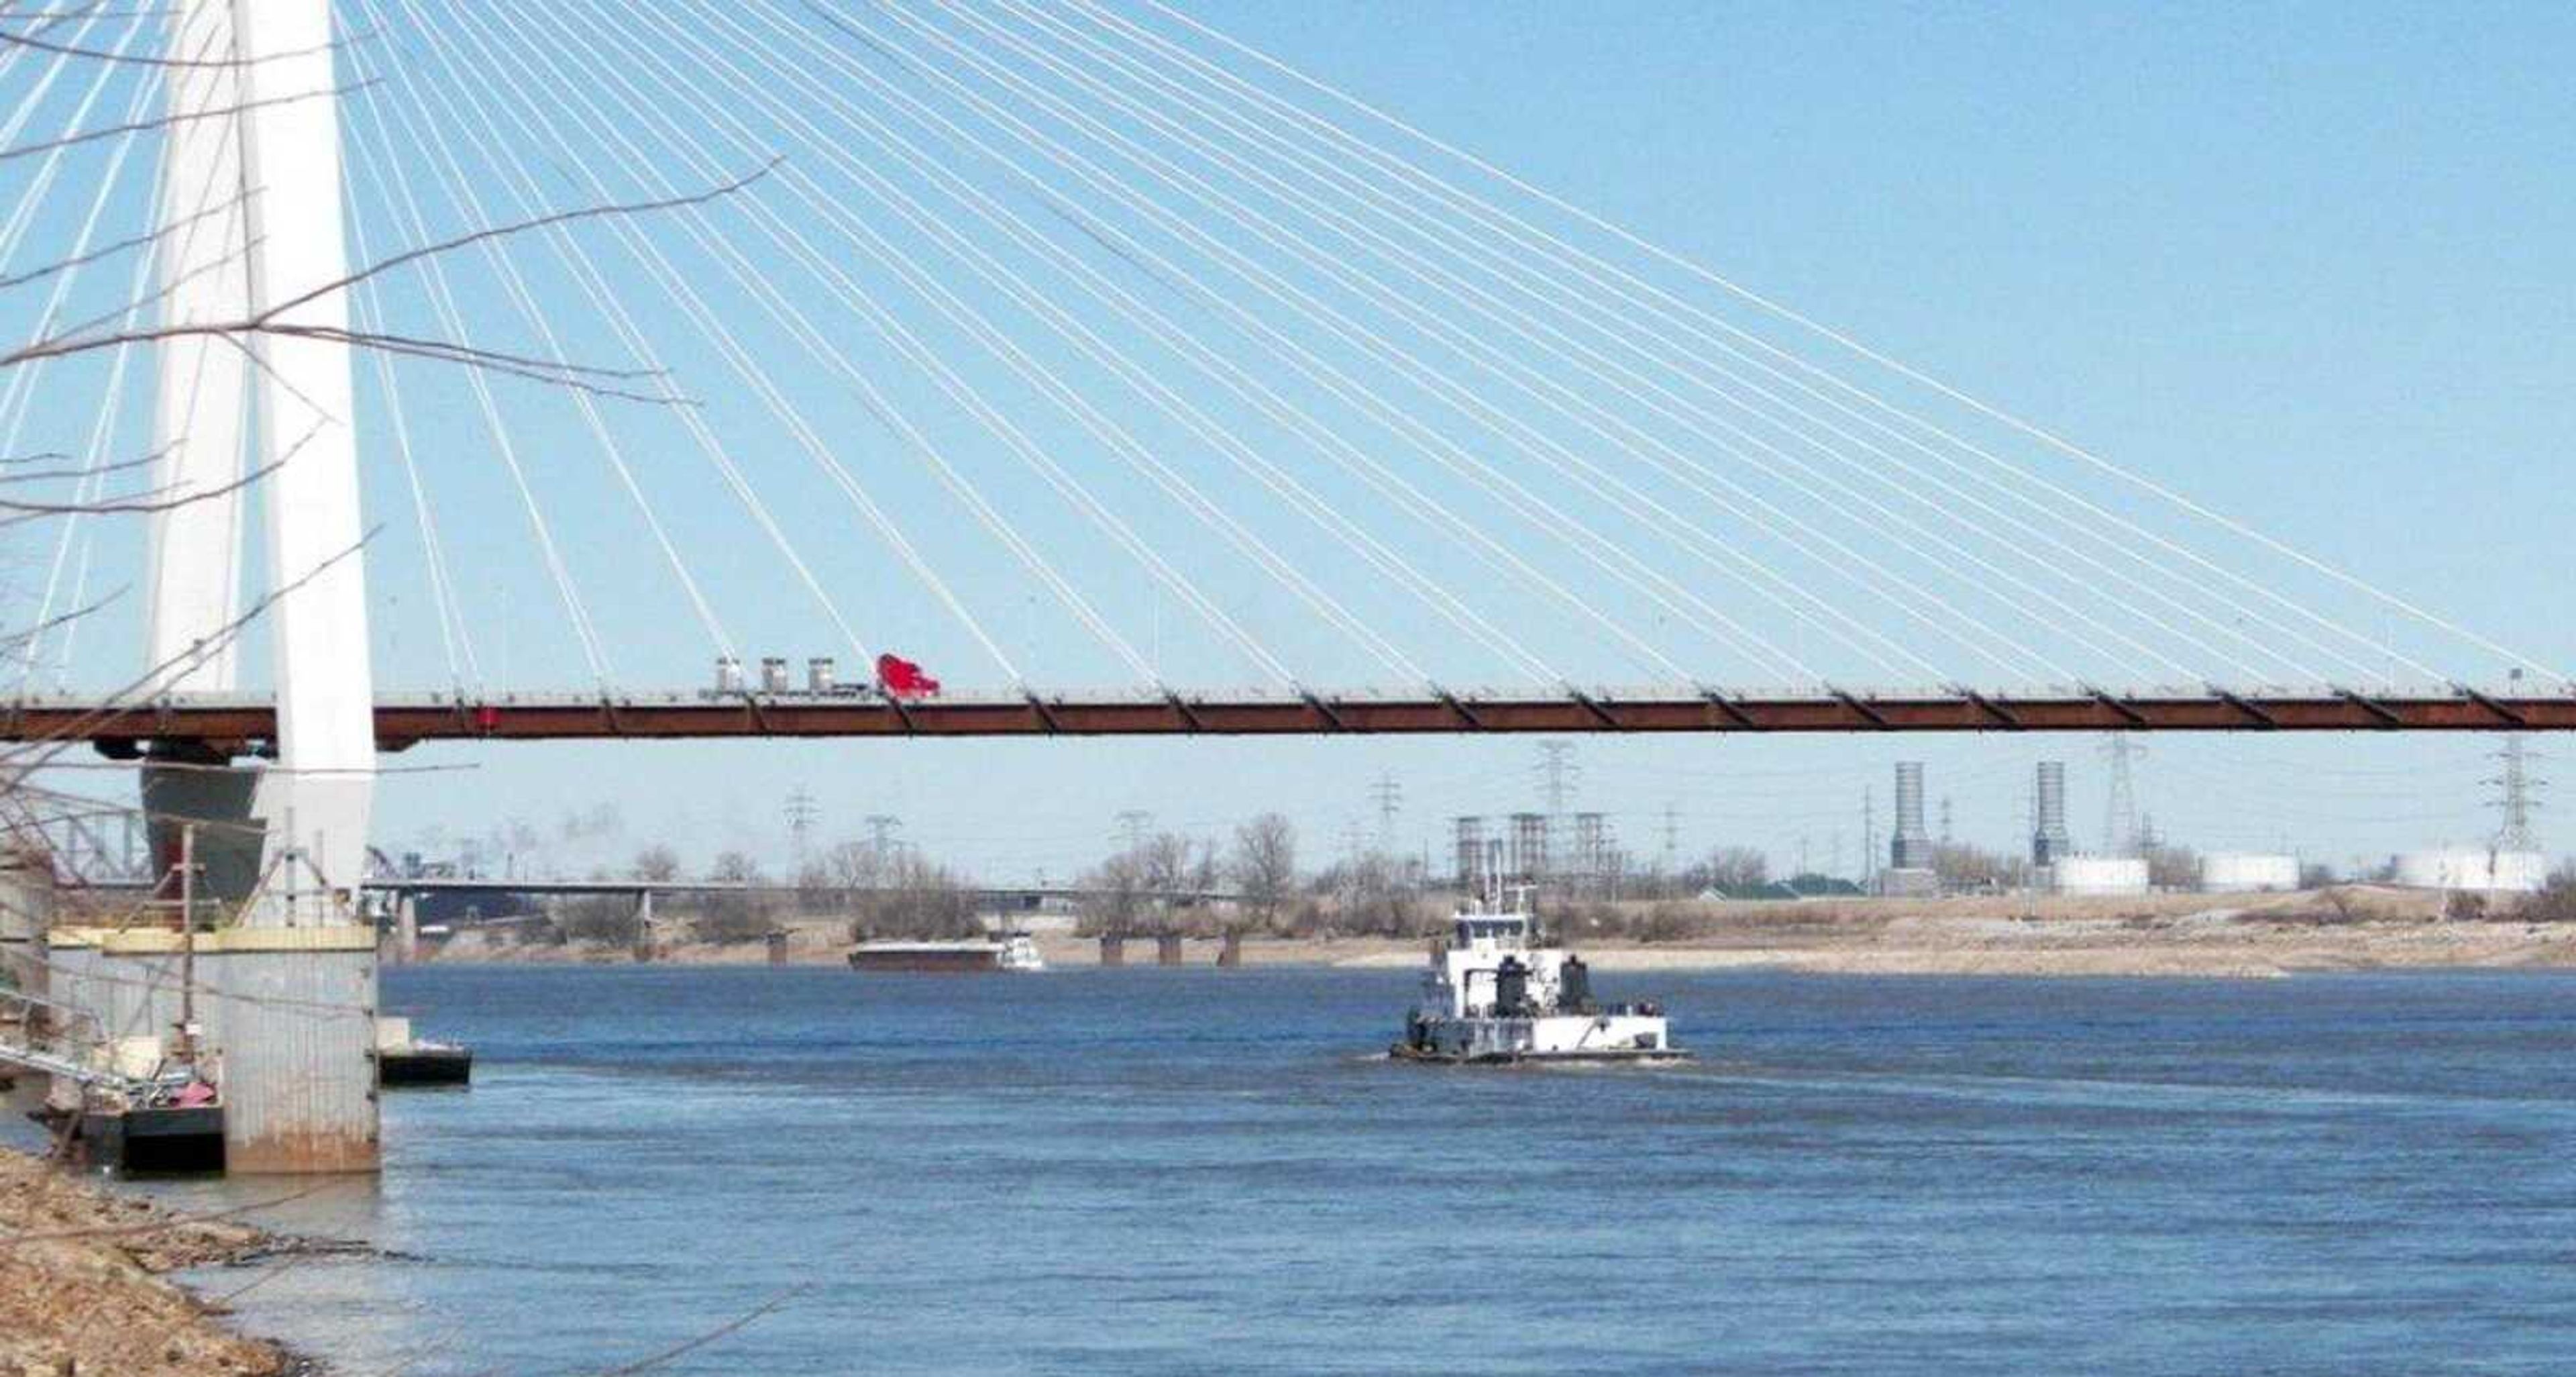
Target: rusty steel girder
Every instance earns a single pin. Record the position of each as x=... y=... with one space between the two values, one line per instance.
x=247 y=726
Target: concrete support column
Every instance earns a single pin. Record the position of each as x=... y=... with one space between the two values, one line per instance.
x=294 y=248
x=1167 y=949
x=644 y=925
x=1113 y=949
x=1229 y=953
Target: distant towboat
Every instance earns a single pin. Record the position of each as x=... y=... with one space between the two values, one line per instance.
x=1015 y=952
x=1494 y=995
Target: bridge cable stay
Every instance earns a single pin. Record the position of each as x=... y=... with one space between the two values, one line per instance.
x=1321 y=263
x=461 y=193
x=1011 y=435
x=1412 y=221
x=17 y=404
x=993 y=271
x=402 y=200
x=820 y=344
x=1736 y=564
x=14 y=399
x=1230 y=377
x=455 y=637
x=1508 y=324
x=716 y=452
x=1629 y=381
x=1571 y=253
x=1591 y=362
x=1091 y=418
x=1024 y=236
x=1546 y=518
x=1217 y=283
x=603 y=299
x=789 y=318
x=987 y=336
x=1593 y=417
x=13 y=231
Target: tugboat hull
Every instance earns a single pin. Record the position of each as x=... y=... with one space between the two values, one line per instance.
x=1617 y=1035
x=1631 y=1056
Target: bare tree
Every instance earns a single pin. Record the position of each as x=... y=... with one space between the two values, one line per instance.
x=657 y=862
x=1264 y=865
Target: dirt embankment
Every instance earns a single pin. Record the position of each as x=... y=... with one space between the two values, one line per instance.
x=2193 y=935
x=82 y=1290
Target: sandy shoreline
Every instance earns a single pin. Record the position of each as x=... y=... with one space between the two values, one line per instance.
x=83 y=1288
x=2179 y=935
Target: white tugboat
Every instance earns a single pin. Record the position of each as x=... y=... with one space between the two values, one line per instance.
x=1490 y=996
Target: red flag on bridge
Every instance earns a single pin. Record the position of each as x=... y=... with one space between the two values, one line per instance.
x=898 y=677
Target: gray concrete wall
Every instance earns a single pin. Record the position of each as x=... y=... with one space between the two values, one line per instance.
x=290 y=1012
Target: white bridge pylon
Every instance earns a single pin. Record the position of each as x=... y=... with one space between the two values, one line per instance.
x=251 y=207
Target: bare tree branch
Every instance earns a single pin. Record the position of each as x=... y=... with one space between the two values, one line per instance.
x=149 y=60
x=165 y=121
x=40 y=274
x=553 y=371
x=561 y=217
x=142 y=502
x=89 y=471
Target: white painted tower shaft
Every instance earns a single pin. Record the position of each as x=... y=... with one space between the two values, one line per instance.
x=194 y=550
x=287 y=132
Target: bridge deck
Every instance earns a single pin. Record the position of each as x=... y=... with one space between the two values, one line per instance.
x=235 y=722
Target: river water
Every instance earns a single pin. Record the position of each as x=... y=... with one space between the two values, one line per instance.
x=1150 y=1172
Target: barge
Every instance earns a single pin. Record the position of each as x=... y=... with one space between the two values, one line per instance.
x=1013 y=953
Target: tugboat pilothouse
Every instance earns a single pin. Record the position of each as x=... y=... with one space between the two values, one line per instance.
x=1491 y=996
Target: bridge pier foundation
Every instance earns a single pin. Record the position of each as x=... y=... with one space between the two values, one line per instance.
x=643 y=926
x=1113 y=949
x=1167 y=949
x=1229 y=952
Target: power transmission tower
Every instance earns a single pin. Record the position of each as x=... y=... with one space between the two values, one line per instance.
x=1132 y=823
x=802 y=813
x=1945 y=819
x=1869 y=839
x=2120 y=811
x=1558 y=773
x=881 y=830
x=2516 y=797
x=1389 y=796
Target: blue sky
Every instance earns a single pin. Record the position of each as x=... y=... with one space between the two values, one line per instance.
x=2308 y=264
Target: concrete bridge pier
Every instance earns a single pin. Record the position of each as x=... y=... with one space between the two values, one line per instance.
x=643 y=926
x=1167 y=949
x=1113 y=949
x=1229 y=952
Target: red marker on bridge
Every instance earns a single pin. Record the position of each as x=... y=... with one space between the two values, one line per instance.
x=898 y=677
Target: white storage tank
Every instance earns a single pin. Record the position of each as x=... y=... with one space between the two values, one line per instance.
x=2098 y=875
x=2240 y=872
x=2473 y=867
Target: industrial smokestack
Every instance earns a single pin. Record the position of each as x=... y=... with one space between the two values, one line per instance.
x=2049 y=840
x=1911 y=847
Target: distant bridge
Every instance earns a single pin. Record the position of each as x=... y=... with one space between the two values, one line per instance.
x=234 y=723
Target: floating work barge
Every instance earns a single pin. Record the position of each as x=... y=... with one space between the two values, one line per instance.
x=404 y=1060
x=1013 y=952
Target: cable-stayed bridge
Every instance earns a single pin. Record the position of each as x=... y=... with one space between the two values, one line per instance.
x=1131 y=378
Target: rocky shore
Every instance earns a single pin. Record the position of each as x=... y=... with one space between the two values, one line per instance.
x=83 y=1286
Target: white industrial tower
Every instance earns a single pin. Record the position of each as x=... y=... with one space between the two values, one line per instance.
x=251 y=191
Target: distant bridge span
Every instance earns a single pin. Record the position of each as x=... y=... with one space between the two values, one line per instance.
x=234 y=724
